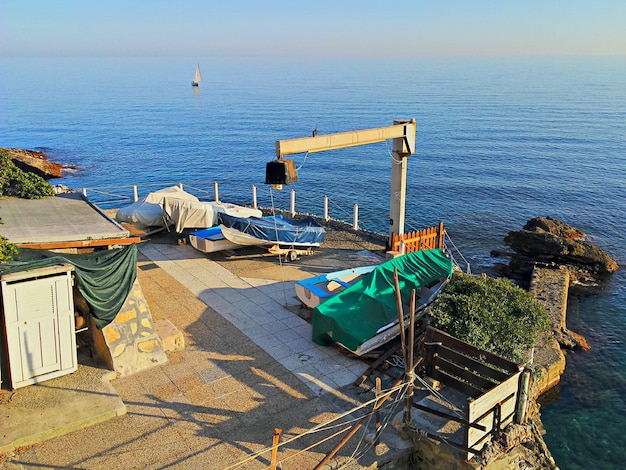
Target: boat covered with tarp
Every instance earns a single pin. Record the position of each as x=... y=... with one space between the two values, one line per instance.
x=365 y=316
x=276 y=230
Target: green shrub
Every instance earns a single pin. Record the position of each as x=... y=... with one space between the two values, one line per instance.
x=18 y=183
x=7 y=250
x=491 y=314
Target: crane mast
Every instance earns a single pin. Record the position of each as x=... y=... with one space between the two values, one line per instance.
x=402 y=133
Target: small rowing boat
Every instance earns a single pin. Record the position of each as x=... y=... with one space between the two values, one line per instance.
x=315 y=290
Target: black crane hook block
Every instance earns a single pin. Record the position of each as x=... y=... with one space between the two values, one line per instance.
x=281 y=171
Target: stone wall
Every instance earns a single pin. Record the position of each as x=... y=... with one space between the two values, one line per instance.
x=132 y=341
x=550 y=287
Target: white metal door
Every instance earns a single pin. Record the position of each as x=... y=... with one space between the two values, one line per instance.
x=40 y=332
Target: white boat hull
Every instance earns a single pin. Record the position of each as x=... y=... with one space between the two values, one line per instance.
x=211 y=240
x=316 y=290
x=242 y=239
x=211 y=246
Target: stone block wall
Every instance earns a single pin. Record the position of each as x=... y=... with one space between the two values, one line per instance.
x=131 y=339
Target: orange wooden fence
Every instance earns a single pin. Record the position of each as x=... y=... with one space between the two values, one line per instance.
x=426 y=239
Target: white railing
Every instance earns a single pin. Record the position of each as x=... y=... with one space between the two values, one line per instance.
x=267 y=199
x=110 y=197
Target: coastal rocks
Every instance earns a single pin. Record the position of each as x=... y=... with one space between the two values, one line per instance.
x=35 y=162
x=548 y=241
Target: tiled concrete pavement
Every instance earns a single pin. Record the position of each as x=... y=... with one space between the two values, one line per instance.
x=259 y=309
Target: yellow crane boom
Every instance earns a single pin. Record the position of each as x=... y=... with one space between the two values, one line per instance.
x=402 y=132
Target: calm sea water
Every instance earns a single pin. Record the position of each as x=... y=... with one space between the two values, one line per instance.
x=499 y=141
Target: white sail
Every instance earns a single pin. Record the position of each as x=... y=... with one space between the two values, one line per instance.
x=198 y=78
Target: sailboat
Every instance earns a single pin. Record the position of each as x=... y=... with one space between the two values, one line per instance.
x=198 y=78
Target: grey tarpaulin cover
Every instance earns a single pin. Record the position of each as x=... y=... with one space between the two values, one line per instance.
x=105 y=277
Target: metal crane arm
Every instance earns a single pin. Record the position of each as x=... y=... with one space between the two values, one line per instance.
x=404 y=130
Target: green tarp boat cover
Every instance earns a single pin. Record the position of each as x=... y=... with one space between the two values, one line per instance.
x=104 y=277
x=354 y=315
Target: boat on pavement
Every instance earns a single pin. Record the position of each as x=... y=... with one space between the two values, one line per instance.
x=272 y=231
x=315 y=290
x=211 y=240
x=364 y=316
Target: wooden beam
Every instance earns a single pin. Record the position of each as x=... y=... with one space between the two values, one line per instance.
x=435 y=335
x=466 y=374
x=80 y=243
x=481 y=368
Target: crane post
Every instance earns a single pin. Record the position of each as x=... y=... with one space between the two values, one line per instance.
x=402 y=147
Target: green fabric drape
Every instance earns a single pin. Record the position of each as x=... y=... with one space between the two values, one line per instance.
x=354 y=315
x=104 y=278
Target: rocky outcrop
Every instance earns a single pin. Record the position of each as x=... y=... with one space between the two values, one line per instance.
x=35 y=162
x=549 y=241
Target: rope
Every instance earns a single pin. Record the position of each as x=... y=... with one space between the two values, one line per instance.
x=283 y=281
x=447 y=235
x=454 y=408
x=391 y=412
x=393 y=159
x=314 y=445
x=395 y=361
x=318 y=428
x=303 y=161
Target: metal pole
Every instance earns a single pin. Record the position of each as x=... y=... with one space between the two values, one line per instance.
x=522 y=399
x=277 y=433
x=293 y=203
x=400 y=312
x=254 y=204
x=135 y=195
x=326 y=218
x=409 y=364
x=216 y=191
x=85 y=192
x=355 y=222
x=377 y=415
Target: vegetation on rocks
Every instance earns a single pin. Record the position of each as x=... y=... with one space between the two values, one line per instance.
x=18 y=183
x=492 y=314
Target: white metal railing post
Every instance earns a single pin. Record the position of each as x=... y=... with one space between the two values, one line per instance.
x=85 y=192
x=293 y=203
x=326 y=218
x=254 y=204
x=135 y=195
x=180 y=185
x=216 y=191
x=356 y=217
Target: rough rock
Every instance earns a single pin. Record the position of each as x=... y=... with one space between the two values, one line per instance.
x=549 y=241
x=35 y=162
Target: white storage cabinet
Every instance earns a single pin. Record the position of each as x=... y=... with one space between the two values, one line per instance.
x=38 y=320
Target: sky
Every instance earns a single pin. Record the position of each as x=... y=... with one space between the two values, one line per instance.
x=316 y=28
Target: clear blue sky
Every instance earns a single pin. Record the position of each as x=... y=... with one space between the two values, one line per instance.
x=316 y=28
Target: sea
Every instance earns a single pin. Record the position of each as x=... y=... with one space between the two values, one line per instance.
x=499 y=141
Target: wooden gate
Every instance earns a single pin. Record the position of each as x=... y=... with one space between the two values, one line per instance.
x=426 y=239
